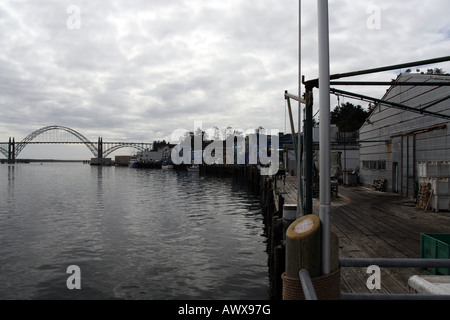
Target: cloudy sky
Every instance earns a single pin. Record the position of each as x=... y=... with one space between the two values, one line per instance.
x=136 y=70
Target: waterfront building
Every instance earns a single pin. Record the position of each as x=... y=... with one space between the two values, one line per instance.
x=398 y=145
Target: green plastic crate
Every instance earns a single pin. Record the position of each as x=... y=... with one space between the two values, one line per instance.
x=435 y=246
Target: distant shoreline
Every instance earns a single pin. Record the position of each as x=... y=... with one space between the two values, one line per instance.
x=5 y=161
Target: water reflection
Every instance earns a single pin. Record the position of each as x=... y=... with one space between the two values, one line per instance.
x=135 y=234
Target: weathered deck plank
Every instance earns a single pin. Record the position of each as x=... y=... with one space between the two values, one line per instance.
x=376 y=225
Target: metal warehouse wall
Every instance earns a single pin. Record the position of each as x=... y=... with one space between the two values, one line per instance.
x=394 y=141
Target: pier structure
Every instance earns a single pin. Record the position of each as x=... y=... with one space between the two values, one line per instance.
x=366 y=226
x=330 y=247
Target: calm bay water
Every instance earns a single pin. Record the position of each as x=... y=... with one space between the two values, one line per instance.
x=134 y=233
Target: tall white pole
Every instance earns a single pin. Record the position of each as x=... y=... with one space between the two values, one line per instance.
x=299 y=144
x=325 y=166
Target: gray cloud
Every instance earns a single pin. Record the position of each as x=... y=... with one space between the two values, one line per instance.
x=137 y=70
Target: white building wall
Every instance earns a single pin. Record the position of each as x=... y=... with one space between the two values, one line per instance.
x=150 y=155
x=393 y=141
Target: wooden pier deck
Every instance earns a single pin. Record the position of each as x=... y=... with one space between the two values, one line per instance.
x=372 y=224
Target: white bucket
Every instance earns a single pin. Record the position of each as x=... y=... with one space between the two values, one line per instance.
x=290 y=212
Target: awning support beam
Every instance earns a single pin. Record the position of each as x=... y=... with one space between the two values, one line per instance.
x=389 y=103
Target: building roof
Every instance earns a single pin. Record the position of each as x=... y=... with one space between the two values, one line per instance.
x=428 y=103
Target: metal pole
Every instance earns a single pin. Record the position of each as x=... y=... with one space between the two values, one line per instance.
x=291 y=121
x=299 y=142
x=307 y=285
x=13 y=153
x=389 y=68
x=394 y=262
x=298 y=152
x=391 y=83
x=325 y=167
x=309 y=163
x=9 y=150
x=389 y=103
x=391 y=297
x=288 y=95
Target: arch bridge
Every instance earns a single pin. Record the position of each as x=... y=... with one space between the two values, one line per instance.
x=99 y=149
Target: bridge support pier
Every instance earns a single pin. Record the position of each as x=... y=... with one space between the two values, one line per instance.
x=11 y=151
x=100 y=161
x=100 y=147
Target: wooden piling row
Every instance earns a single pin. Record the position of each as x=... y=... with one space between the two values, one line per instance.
x=306 y=251
x=299 y=249
x=272 y=210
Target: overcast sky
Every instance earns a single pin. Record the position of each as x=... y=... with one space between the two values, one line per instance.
x=136 y=70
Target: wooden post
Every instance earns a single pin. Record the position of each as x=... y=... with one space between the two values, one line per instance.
x=303 y=247
x=277 y=284
x=334 y=252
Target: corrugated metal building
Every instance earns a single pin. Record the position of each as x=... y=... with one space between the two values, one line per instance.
x=394 y=141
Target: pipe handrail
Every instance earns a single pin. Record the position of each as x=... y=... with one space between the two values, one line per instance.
x=394 y=262
x=307 y=285
x=369 y=296
x=310 y=294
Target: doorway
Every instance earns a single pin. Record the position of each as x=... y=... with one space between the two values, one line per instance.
x=395 y=177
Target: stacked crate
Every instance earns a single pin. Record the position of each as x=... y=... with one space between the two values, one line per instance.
x=424 y=195
x=437 y=174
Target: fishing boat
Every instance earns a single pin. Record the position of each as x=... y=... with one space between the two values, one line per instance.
x=133 y=163
x=166 y=166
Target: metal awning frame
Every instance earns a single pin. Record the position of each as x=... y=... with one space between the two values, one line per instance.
x=421 y=109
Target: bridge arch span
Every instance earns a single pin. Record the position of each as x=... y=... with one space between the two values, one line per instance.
x=4 y=151
x=117 y=147
x=21 y=145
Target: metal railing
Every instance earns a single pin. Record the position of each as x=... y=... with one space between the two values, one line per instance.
x=307 y=285
x=394 y=262
x=310 y=293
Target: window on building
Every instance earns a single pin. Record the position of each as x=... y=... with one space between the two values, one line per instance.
x=374 y=165
x=366 y=165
